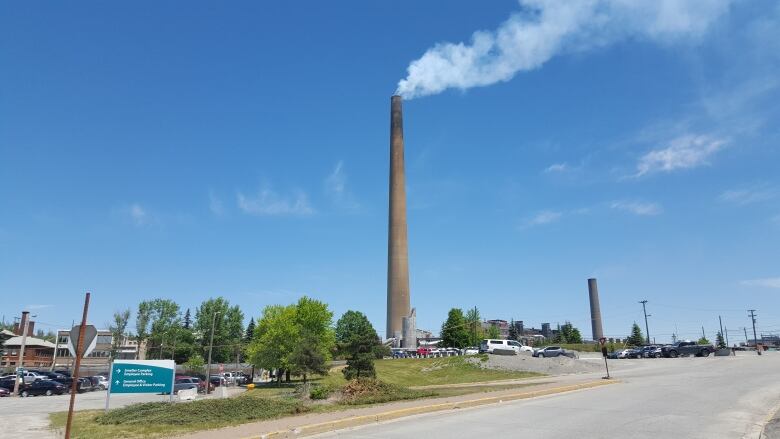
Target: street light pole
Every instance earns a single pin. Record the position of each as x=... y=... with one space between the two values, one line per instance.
x=647 y=329
x=211 y=345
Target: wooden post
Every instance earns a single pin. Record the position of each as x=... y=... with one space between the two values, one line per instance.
x=79 y=349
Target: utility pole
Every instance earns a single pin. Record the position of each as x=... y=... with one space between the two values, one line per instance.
x=474 y=326
x=726 y=334
x=702 y=333
x=20 y=369
x=211 y=345
x=746 y=339
x=755 y=338
x=644 y=309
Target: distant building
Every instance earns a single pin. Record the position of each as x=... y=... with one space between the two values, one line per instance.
x=503 y=326
x=99 y=359
x=546 y=331
x=38 y=353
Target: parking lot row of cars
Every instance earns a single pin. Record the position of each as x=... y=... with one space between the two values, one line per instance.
x=37 y=382
x=679 y=349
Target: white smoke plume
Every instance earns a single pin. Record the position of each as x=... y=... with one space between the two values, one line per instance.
x=545 y=28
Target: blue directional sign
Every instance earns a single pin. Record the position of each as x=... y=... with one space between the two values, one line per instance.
x=142 y=376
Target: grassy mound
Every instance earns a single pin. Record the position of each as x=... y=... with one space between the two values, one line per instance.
x=411 y=372
x=210 y=411
x=372 y=391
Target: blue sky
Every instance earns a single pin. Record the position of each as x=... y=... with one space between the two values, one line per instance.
x=154 y=150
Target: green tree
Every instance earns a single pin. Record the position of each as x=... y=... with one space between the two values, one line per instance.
x=281 y=329
x=474 y=327
x=454 y=331
x=513 y=335
x=187 y=320
x=154 y=322
x=493 y=332
x=118 y=330
x=636 y=338
x=357 y=340
x=567 y=333
x=307 y=358
x=228 y=329
x=249 y=333
x=195 y=364
x=720 y=341
x=703 y=340
x=275 y=338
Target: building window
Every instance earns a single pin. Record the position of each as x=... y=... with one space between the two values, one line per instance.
x=104 y=339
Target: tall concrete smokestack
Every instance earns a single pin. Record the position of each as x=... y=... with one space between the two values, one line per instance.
x=595 y=310
x=398 y=305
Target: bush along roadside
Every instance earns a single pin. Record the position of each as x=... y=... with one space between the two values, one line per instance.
x=229 y=410
x=372 y=391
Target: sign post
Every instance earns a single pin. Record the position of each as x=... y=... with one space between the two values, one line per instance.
x=602 y=342
x=79 y=352
x=141 y=376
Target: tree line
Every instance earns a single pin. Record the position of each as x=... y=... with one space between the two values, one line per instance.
x=296 y=339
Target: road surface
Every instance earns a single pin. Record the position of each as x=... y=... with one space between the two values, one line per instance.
x=714 y=397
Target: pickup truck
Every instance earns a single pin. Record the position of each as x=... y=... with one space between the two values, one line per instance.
x=685 y=348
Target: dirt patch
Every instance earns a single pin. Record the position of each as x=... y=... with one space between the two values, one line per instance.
x=550 y=366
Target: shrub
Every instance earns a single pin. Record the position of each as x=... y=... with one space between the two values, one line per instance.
x=242 y=408
x=371 y=391
x=320 y=392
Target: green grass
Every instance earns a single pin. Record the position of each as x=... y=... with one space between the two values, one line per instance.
x=269 y=401
x=162 y=419
x=411 y=372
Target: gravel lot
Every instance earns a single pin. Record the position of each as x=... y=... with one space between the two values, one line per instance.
x=550 y=366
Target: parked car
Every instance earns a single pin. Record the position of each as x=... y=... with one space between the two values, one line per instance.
x=217 y=380
x=651 y=352
x=685 y=348
x=4 y=392
x=634 y=353
x=29 y=377
x=623 y=353
x=489 y=345
x=42 y=387
x=185 y=383
x=84 y=385
x=99 y=382
x=65 y=380
x=552 y=351
x=471 y=350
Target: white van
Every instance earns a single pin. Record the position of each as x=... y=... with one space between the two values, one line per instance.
x=490 y=344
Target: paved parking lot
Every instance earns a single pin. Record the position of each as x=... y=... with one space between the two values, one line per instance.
x=24 y=418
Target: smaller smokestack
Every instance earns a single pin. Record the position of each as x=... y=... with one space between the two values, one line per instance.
x=595 y=310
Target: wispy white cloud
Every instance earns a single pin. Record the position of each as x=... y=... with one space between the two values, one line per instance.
x=557 y=167
x=541 y=218
x=637 y=207
x=771 y=282
x=269 y=203
x=336 y=188
x=137 y=214
x=215 y=204
x=684 y=152
x=750 y=195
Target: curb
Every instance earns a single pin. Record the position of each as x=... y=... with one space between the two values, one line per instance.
x=356 y=421
x=774 y=413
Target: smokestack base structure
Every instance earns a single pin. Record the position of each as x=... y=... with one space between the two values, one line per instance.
x=409 y=334
x=595 y=310
x=398 y=303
